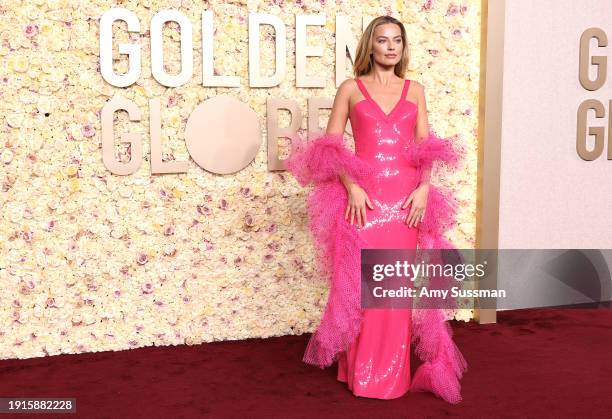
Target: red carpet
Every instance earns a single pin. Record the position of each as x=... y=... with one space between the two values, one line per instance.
x=533 y=363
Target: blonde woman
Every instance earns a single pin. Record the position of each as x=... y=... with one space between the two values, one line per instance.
x=378 y=197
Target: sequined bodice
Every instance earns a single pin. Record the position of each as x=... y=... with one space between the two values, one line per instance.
x=381 y=140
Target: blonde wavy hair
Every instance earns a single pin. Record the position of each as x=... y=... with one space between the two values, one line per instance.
x=364 y=61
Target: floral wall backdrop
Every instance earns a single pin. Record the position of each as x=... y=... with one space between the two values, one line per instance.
x=91 y=261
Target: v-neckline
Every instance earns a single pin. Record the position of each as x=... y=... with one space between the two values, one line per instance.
x=365 y=92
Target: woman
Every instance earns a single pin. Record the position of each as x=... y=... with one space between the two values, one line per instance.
x=378 y=197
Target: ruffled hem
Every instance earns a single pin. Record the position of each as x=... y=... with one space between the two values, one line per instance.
x=319 y=162
x=341 y=320
x=443 y=364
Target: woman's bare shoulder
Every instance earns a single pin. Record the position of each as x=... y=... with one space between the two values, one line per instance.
x=346 y=88
x=417 y=85
x=348 y=84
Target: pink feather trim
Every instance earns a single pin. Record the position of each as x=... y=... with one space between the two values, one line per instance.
x=443 y=364
x=433 y=148
x=323 y=159
x=320 y=162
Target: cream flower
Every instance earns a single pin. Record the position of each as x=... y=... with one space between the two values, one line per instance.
x=149 y=250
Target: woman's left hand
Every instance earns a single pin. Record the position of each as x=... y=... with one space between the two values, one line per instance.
x=418 y=197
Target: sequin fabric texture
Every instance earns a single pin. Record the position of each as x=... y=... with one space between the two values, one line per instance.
x=377 y=364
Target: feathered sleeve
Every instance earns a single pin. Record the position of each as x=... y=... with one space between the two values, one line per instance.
x=443 y=364
x=441 y=209
x=323 y=158
x=434 y=148
x=320 y=162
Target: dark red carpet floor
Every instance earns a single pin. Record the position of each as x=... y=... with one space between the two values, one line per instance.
x=540 y=363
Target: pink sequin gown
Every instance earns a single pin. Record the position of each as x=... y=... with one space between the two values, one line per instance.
x=377 y=364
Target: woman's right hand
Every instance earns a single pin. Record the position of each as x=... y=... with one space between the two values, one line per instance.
x=357 y=201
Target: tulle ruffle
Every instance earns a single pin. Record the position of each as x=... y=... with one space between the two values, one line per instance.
x=443 y=364
x=319 y=162
x=433 y=149
x=323 y=158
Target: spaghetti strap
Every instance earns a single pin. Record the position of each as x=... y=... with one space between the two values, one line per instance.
x=405 y=90
x=366 y=94
x=363 y=89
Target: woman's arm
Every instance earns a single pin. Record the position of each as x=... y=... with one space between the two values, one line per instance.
x=338 y=118
x=357 y=197
x=418 y=197
x=422 y=127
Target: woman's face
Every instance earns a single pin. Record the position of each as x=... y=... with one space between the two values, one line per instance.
x=387 y=44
